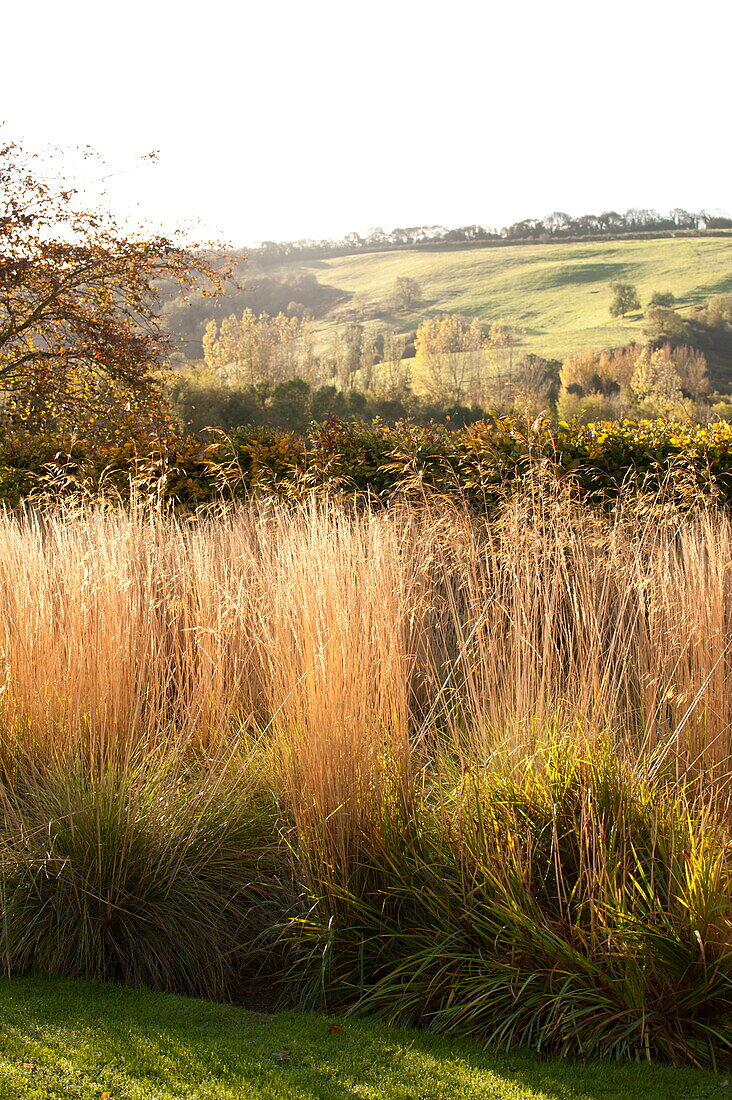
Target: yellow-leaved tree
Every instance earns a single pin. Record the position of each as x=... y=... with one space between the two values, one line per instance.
x=256 y=350
x=448 y=365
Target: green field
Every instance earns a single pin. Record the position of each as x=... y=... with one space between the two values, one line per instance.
x=79 y=1040
x=558 y=293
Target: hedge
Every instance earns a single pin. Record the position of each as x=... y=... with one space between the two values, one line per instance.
x=376 y=461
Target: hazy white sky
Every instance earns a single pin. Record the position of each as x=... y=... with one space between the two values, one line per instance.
x=282 y=120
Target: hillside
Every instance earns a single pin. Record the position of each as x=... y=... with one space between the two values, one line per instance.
x=558 y=293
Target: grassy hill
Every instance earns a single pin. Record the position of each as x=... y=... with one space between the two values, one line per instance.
x=558 y=293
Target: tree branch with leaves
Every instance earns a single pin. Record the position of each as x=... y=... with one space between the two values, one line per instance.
x=79 y=304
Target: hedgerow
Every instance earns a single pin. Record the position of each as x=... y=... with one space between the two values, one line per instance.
x=377 y=461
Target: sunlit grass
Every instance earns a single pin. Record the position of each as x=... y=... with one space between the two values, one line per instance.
x=464 y=774
x=558 y=293
x=63 y=1040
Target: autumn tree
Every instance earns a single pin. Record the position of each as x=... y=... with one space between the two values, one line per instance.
x=633 y=380
x=596 y=384
x=534 y=385
x=625 y=298
x=80 y=336
x=392 y=378
x=345 y=355
x=504 y=337
x=657 y=386
x=691 y=367
x=604 y=372
x=721 y=306
x=447 y=367
x=660 y=322
x=504 y=333
x=258 y=350
x=368 y=358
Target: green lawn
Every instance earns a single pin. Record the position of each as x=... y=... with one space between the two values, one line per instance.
x=78 y=1039
x=559 y=293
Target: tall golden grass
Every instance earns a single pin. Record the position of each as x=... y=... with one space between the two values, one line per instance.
x=477 y=771
x=342 y=636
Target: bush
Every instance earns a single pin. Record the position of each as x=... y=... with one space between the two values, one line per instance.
x=664 y=298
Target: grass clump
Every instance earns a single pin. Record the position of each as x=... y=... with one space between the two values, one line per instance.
x=147 y=874
x=565 y=906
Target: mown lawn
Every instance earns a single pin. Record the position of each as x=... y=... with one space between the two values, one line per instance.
x=80 y=1039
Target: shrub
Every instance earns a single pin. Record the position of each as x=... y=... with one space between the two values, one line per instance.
x=664 y=298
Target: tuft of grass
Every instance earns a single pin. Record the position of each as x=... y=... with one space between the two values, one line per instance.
x=152 y=875
x=565 y=905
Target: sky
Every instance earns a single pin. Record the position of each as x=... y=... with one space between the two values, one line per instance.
x=281 y=120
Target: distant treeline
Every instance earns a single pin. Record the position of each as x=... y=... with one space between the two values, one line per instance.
x=555 y=226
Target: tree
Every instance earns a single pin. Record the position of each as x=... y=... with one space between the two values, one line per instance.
x=721 y=304
x=581 y=373
x=407 y=293
x=258 y=351
x=660 y=322
x=291 y=404
x=596 y=385
x=79 y=325
x=656 y=385
x=368 y=359
x=664 y=298
x=393 y=372
x=504 y=333
x=591 y=409
x=534 y=384
x=625 y=299
x=449 y=359
x=348 y=359
x=503 y=338
x=691 y=367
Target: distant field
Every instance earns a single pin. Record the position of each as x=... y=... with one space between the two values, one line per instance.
x=558 y=293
